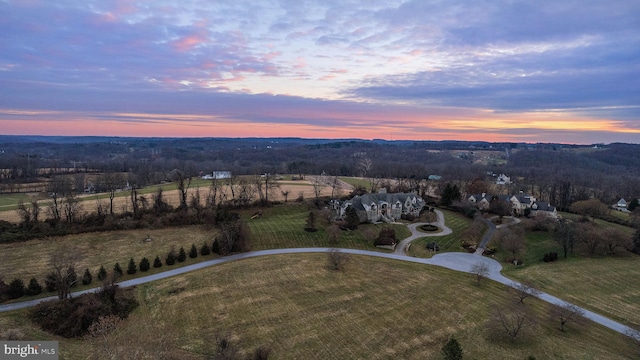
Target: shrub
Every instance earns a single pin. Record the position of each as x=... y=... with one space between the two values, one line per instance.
x=157 y=262
x=144 y=264
x=86 y=277
x=131 y=268
x=16 y=289
x=193 y=253
x=73 y=317
x=387 y=236
x=182 y=255
x=550 y=257
x=205 y=250
x=34 y=288
x=102 y=273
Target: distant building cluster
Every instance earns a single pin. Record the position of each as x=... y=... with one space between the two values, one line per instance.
x=521 y=204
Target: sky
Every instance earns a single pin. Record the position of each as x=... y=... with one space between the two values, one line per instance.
x=521 y=71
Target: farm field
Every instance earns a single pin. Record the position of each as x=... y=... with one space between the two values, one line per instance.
x=299 y=309
x=295 y=189
x=281 y=226
x=608 y=286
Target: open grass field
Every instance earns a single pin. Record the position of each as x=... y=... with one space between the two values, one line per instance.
x=608 y=286
x=375 y=309
x=281 y=226
x=448 y=243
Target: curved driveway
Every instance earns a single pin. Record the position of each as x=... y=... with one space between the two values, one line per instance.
x=454 y=260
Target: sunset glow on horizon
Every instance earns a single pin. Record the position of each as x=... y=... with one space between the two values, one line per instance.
x=396 y=70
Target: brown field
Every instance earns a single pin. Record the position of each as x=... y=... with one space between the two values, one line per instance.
x=294 y=305
x=122 y=203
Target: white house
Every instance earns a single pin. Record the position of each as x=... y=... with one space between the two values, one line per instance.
x=503 y=180
x=218 y=175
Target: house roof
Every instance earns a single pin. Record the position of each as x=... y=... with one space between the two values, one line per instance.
x=390 y=198
x=543 y=206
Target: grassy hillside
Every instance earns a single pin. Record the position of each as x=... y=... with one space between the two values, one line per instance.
x=281 y=226
x=375 y=309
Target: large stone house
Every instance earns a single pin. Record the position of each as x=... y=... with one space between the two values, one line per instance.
x=381 y=207
x=521 y=204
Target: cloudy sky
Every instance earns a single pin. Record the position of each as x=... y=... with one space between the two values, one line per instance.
x=533 y=71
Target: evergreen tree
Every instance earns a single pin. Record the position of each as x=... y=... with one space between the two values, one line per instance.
x=144 y=264
x=34 y=288
x=193 y=253
x=351 y=217
x=171 y=257
x=50 y=282
x=86 y=277
x=450 y=194
x=310 y=225
x=102 y=273
x=131 y=268
x=16 y=289
x=117 y=270
x=215 y=247
x=636 y=242
x=633 y=204
x=157 y=262
x=182 y=255
x=205 y=250
x=452 y=350
x=72 y=277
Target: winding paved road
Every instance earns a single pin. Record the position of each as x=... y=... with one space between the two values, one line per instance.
x=453 y=260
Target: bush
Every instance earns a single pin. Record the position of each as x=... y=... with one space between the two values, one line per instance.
x=16 y=289
x=193 y=253
x=131 y=268
x=73 y=317
x=182 y=255
x=87 y=278
x=144 y=264
x=205 y=250
x=386 y=237
x=157 y=262
x=550 y=257
x=102 y=273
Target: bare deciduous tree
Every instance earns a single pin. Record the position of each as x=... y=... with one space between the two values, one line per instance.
x=480 y=270
x=523 y=290
x=334 y=234
x=64 y=262
x=566 y=313
x=337 y=259
x=511 y=241
x=511 y=320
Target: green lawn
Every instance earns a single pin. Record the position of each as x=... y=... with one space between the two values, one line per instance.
x=448 y=243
